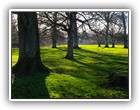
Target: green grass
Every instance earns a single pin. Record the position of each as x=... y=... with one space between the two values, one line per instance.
x=83 y=77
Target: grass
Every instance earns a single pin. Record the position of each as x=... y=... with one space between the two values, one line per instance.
x=83 y=77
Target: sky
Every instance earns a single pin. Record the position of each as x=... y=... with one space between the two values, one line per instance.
x=134 y=50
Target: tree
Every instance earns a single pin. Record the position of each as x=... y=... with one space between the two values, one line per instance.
x=99 y=38
x=67 y=22
x=99 y=32
x=75 y=43
x=107 y=18
x=124 y=27
x=71 y=35
x=54 y=30
x=114 y=30
x=48 y=30
x=95 y=23
x=29 y=60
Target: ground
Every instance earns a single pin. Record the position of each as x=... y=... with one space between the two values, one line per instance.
x=83 y=77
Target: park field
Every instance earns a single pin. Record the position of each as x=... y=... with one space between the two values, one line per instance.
x=85 y=77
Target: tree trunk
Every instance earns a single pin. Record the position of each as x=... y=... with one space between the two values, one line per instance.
x=107 y=29
x=70 y=47
x=29 y=52
x=54 y=36
x=113 y=45
x=54 y=31
x=98 y=40
x=106 y=36
x=113 y=42
x=124 y=27
x=75 y=33
x=99 y=45
x=54 y=43
x=70 y=37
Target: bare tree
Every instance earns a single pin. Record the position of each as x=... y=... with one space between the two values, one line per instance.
x=75 y=43
x=71 y=35
x=67 y=22
x=54 y=30
x=124 y=27
x=107 y=18
x=94 y=23
x=113 y=32
x=49 y=30
x=29 y=52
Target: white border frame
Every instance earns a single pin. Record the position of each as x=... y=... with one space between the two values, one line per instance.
x=62 y=10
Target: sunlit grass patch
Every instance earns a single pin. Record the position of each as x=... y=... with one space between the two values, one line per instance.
x=15 y=52
x=67 y=86
x=83 y=77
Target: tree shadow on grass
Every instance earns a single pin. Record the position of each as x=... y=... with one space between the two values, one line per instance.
x=80 y=76
x=102 y=58
x=93 y=67
x=100 y=64
x=29 y=87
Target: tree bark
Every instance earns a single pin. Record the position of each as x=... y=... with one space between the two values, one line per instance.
x=71 y=30
x=54 y=36
x=107 y=28
x=29 y=52
x=124 y=27
x=75 y=33
x=54 y=31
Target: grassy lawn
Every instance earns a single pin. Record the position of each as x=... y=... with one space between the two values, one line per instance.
x=83 y=77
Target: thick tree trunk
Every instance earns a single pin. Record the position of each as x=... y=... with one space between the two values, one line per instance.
x=70 y=47
x=54 y=31
x=75 y=33
x=124 y=35
x=54 y=43
x=107 y=29
x=29 y=52
x=54 y=36
x=70 y=37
